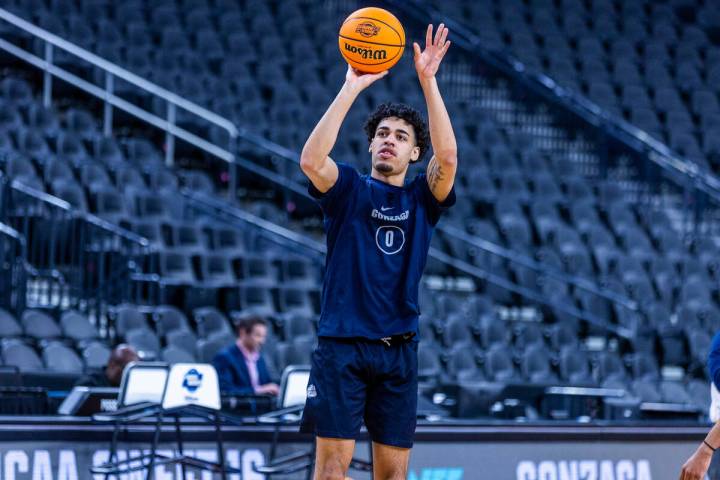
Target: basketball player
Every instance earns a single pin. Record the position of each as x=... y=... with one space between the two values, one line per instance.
x=378 y=234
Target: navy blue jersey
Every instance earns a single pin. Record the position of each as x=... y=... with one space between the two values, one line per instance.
x=378 y=236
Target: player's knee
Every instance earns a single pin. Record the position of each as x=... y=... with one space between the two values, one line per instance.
x=330 y=471
x=399 y=474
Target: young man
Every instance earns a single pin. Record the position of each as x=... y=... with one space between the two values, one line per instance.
x=378 y=234
x=241 y=368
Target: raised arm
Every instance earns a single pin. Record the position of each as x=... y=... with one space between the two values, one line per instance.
x=314 y=160
x=443 y=165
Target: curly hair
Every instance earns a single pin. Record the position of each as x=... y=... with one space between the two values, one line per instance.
x=404 y=112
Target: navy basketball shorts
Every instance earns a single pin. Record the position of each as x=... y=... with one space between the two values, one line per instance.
x=356 y=380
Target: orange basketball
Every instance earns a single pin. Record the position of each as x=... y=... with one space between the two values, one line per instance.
x=372 y=40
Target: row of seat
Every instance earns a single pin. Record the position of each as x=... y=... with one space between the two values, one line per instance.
x=655 y=67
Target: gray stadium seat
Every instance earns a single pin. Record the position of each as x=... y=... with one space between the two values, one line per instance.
x=207 y=348
x=21 y=355
x=9 y=327
x=75 y=325
x=168 y=318
x=96 y=355
x=173 y=354
x=39 y=325
x=60 y=358
x=128 y=317
x=145 y=342
x=499 y=365
x=209 y=321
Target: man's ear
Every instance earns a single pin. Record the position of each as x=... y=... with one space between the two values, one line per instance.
x=414 y=154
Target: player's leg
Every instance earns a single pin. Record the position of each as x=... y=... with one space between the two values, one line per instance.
x=391 y=410
x=332 y=458
x=390 y=463
x=334 y=407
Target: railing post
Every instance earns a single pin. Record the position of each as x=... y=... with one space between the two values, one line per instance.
x=232 y=168
x=107 y=107
x=47 y=77
x=169 y=137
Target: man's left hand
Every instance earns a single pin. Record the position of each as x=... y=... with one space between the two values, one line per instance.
x=270 y=388
x=428 y=61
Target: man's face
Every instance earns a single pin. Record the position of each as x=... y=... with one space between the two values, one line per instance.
x=255 y=338
x=393 y=147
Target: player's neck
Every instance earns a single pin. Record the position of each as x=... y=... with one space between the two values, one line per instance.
x=395 y=180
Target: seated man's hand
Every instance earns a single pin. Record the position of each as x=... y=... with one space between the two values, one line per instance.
x=269 y=388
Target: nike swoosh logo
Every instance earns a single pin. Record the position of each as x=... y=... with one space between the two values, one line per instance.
x=385 y=209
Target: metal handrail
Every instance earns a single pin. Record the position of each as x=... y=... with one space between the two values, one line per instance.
x=106 y=94
x=656 y=151
x=200 y=200
x=11 y=232
x=490 y=277
x=513 y=256
x=88 y=217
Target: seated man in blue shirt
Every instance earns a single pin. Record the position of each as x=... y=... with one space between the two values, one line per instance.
x=241 y=368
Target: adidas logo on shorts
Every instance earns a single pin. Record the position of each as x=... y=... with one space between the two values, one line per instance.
x=311 y=392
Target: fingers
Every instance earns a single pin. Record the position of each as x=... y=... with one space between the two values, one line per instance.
x=372 y=77
x=444 y=50
x=428 y=36
x=416 y=49
x=444 y=35
x=438 y=34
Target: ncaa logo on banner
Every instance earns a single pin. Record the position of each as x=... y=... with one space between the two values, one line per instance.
x=390 y=239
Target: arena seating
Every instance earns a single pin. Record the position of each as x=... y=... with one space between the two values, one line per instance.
x=654 y=64
x=516 y=188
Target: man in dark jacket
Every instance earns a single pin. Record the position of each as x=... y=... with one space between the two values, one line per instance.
x=121 y=355
x=241 y=368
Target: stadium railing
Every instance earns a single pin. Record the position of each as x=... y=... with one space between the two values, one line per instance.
x=13 y=268
x=77 y=259
x=113 y=72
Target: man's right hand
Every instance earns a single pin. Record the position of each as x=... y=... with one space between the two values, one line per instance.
x=268 y=388
x=357 y=81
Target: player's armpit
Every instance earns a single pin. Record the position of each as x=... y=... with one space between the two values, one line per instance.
x=323 y=175
x=440 y=177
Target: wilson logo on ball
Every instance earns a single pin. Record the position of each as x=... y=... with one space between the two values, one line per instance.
x=366 y=53
x=371 y=40
x=367 y=29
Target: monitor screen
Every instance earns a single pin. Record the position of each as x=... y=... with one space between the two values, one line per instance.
x=143 y=383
